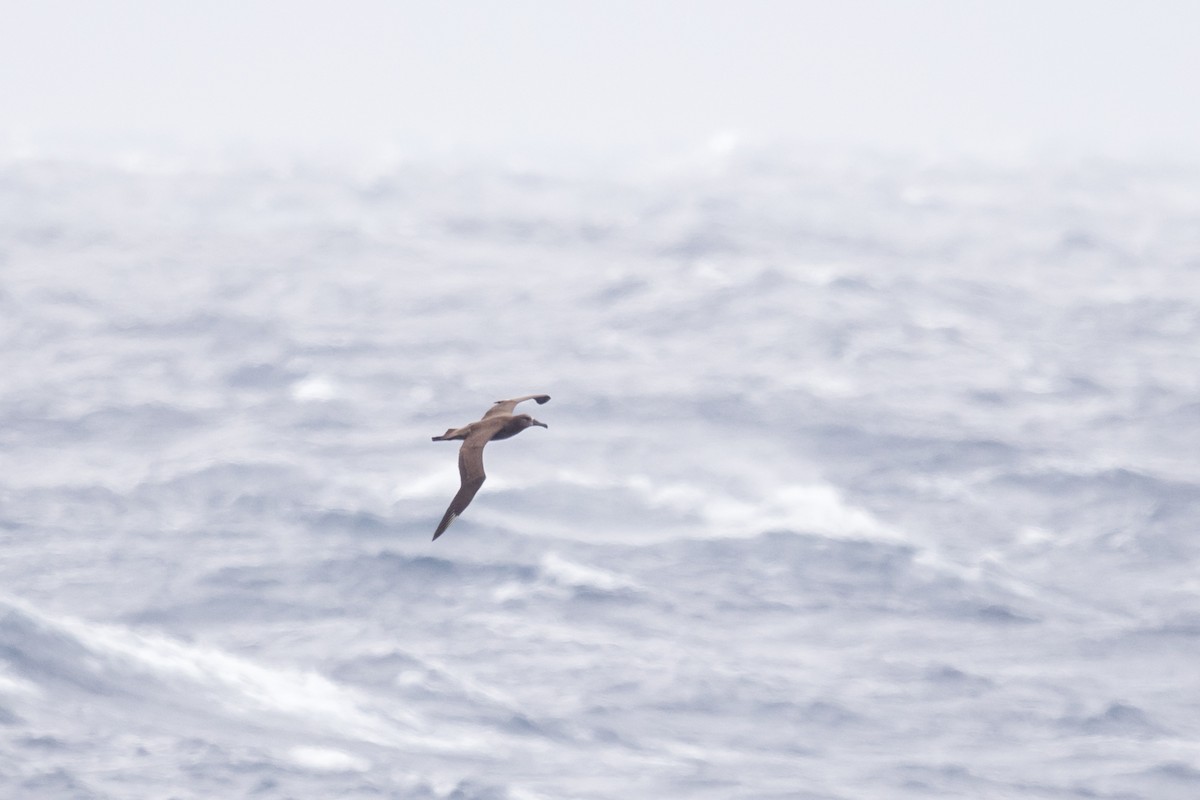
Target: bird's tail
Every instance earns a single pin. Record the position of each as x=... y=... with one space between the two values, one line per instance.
x=451 y=434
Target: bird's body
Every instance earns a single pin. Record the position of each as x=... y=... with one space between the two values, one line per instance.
x=498 y=423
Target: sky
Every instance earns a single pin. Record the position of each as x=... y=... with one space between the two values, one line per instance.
x=926 y=75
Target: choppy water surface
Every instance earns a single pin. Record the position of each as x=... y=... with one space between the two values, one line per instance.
x=864 y=479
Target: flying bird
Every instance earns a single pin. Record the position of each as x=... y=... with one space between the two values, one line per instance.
x=498 y=423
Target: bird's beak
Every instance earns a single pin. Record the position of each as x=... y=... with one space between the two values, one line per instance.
x=535 y=422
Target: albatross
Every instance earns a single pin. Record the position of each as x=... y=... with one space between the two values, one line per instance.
x=498 y=423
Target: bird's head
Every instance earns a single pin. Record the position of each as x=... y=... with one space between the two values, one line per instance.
x=527 y=421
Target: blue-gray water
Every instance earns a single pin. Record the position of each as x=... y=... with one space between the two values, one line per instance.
x=865 y=478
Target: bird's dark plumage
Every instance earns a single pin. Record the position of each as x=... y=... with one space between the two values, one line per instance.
x=497 y=423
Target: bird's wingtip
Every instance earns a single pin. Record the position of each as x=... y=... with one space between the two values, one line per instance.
x=445 y=525
x=541 y=401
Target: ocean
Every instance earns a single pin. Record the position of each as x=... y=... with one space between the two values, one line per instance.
x=865 y=477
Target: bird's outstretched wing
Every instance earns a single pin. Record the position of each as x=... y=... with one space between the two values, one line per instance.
x=507 y=406
x=470 y=472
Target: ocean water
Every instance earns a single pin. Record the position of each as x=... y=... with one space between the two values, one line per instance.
x=865 y=477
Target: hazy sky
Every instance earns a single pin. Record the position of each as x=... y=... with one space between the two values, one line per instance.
x=928 y=74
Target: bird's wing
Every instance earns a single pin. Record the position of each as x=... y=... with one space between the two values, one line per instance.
x=470 y=472
x=507 y=406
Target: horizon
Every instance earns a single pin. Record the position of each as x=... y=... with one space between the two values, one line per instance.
x=523 y=80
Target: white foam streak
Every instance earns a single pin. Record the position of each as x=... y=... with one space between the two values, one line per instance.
x=239 y=684
x=804 y=507
x=569 y=573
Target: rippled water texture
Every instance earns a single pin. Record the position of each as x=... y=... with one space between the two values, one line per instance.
x=864 y=478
